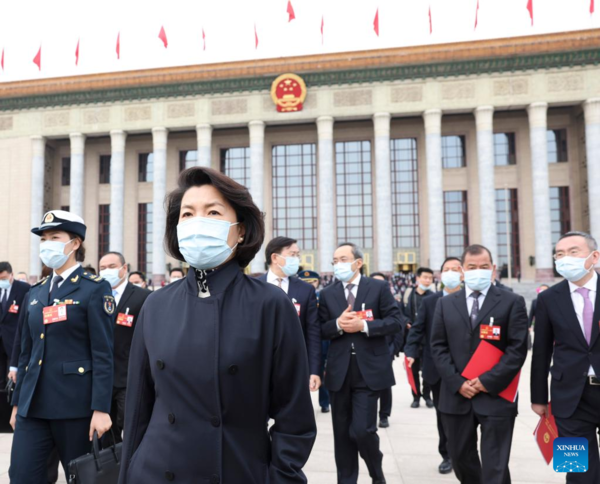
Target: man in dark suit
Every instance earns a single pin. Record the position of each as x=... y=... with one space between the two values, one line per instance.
x=461 y=322
x=356 y=314
x=12 y=293
x=567 y=333
x=539 y=290
x=283 y=258
x=129 y=299
x=420 y=336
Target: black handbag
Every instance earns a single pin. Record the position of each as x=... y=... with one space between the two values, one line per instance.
x=98 y=467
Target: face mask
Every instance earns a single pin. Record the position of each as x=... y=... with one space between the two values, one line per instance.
x=343 y=271
x=424 y=288
x=292 y=264
x=5 y=284
x=175 y=279
x=139 y=285
x=52 y=253
x=451 y=279
x=112 y=276
x=572 y=268
x=203 y=242
x=478 y=279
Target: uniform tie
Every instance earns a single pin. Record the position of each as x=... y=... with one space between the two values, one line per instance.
x=588 y=313
x=351 y=299
x=55 y=282
x=279 y=281
x=475 y=309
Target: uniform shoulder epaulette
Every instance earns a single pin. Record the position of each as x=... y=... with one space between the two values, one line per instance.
x=92 y=277
x=41 y=281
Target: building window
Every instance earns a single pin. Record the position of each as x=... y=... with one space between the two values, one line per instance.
x=507 y=218
x=354 y=193
x=65 y=208
x=103 y=229
x=66 y=172
x=146 y=167
x=505 y=152
x=105 y=169
x=405 y=193
x=557 y=146
x=295 y=193
x=187 y=159
x=453 y=152
x=560 y=212
x=235 y=163
x=145 y=238
x=456 y=222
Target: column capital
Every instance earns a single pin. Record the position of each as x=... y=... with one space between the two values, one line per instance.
x=382 y=115
x=77 y=143
x=159 y=137
x=484 y=118
x=256 y=124
x=381 y=124
x=39 y=145
x=204 y=127
x=325 y=127
x=591 y=107
x=117 y=139
x=433 y=121
x=538 y=112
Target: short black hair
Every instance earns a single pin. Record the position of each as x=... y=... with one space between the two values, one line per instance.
x=448 y=259
x=137 y=273
x=176 y=269
x=380 y=274
x=421 y=270
x=5 y=267
x=80 y=254
x=276 y=246
x=237 y=195
x=118 y=254
x=475 y=249
x=90 y=269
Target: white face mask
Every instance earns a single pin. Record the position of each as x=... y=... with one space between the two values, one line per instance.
x=112 y=276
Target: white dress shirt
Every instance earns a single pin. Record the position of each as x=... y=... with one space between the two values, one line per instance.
x=5 y=293
x=470 y=300
x=356 y=282
x=119 y=290
x=273 y=278
x=578 y=303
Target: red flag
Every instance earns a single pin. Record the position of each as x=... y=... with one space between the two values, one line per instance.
x=37 y=60
x=376 y=22
x=255 y=37
x=203 y=39
x=290 y=11
x=119 y=45
x=322 y=28
x=77 y=53
x=530 y=9
x=2 y=61
x=162 y=35
x=592 y=8
x=476 y=14
x=430 y=23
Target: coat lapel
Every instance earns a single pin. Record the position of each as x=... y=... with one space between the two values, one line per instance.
x=490 y=302
x=596 y=320
x=70 y=285
x=45 y=291
x=293 y=289
x=125 y=297
x=460 y=303
x=363 y=290
x=565 y=305
x=340 y=296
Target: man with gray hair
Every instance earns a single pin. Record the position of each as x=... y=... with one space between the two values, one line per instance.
x=567 y=332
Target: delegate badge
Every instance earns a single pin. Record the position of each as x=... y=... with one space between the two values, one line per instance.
x=14 y=308
x=55 y=314
x=125 y=320
x=491 y=333
x=365 y=315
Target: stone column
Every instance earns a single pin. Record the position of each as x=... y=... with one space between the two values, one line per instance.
x=592 y=145
x=435 y=189
x=541 y=191
x=326 y=187
x=117 y=189
x=38 y=149
x=77 y=173
x=257 y=180
x=204 y=136
x=484 y=119
x=383 y=193
x=159 y=217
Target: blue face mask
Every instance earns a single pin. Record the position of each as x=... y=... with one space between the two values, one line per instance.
x=572 y=268
x=291 y=266
x=424 y=288
x=343 y=271
x=478 y=279
x=4 y=283
x=203 y=242
x=52 y=253
x=451 y=279
x=112 y=276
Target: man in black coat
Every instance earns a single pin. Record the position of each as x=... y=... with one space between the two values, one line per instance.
x=283 y=258
x=12 y=293
x=461 y=322
x=356 y=314
x=129 y=300
x=567 y=333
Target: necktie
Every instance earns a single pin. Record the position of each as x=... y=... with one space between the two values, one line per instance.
x=475 y=309
x=588 y=313
x=4 y=300
x=55 y=282
x=279 y=281
x=350 y=297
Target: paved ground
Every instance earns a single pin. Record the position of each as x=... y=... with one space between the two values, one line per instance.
x=409 y=446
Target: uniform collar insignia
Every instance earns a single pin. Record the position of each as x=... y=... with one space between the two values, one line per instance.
x=75 y=279
x=34 y=302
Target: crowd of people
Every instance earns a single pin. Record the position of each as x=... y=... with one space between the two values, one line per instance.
x=187 y=377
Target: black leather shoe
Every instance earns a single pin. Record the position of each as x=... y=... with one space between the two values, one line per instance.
x=324 y=409
x=415 y=404
x=384 y=423
x=429 y=403
x=380 y=481
x=446 y=466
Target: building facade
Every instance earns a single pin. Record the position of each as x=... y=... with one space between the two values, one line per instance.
x=411 y=153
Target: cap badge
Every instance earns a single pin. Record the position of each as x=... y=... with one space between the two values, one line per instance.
x=49 y=218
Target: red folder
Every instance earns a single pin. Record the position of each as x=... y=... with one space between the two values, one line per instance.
x=410 y=376
x=487 y=356
x=545 y=433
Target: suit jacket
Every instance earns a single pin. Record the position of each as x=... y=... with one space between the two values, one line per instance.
x=453 y=342
x=420 y=335
x=133 y=299
x=9 y=322
x=66 y=368
x=305 y=295
x=532 y=312
x=559 y=338
x=372 y=351
x=16 y=349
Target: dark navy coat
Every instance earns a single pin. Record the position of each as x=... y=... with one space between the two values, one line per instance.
x=205 y=377
x=66 y=368
x=10 y=321
x=305 y=295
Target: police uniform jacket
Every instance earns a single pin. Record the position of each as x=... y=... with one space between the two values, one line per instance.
x=66 y=368
x=205 y=377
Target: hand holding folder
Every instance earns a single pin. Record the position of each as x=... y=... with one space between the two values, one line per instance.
x=545 y=433
x=410 y=376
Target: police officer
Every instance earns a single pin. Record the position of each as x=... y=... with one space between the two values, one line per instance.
x=64 y=388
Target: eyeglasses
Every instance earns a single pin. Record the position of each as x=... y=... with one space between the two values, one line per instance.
x=574 y=252
x=343 y=260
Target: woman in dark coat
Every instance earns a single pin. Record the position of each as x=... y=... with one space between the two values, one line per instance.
x=216 y=355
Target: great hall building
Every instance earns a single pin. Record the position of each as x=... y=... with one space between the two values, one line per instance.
x=412 y=153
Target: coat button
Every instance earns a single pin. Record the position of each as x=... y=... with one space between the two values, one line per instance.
x=171 y=418
x=169 y=476
x=215 y=479
x=160 y=364
x=215 y=421
x=40 y=363
x=42 y=336
x=233 y=369
x=81 y=370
